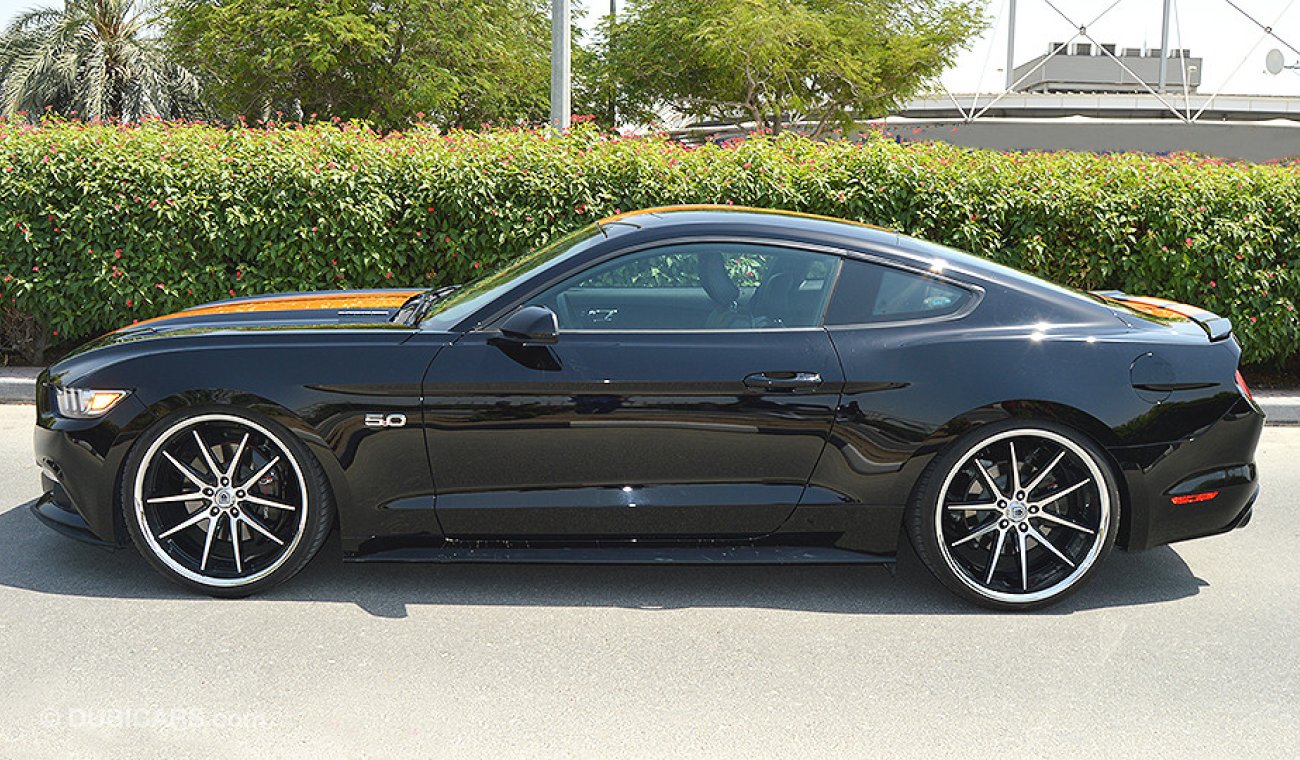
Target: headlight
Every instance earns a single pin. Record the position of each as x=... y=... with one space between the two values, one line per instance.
x=83 y=404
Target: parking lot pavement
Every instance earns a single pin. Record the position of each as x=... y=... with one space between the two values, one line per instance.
x=1175 y=652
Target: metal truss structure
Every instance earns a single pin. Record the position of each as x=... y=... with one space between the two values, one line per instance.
x=1183 y=112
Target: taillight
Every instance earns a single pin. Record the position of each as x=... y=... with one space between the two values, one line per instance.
x=1245 y=389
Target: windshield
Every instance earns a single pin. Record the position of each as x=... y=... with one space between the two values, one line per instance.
x=447 y=312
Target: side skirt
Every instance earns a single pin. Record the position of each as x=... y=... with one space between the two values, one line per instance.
x=627 y=554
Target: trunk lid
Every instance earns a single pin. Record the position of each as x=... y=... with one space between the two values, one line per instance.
x=1171 y=313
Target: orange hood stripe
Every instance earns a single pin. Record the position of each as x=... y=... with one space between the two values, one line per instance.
x=303 y=302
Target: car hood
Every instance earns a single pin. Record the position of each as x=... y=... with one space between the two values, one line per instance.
x=323 y=310
x=240 y=318
x=345 y=307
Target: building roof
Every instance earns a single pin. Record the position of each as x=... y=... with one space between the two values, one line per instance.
x=1103 y=105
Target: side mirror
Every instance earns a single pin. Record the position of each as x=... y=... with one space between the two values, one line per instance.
x=531 y=324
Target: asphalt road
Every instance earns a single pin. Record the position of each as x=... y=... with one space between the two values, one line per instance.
x=1191 y=651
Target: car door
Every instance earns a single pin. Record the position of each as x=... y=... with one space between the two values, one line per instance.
x=690 y=393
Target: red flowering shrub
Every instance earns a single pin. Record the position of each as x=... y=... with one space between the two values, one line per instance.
x=103 y=224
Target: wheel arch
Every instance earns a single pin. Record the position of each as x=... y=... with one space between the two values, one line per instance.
x=1030 y=410
x=223 y=398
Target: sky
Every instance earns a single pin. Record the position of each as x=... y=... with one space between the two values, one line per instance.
x=1212 y=29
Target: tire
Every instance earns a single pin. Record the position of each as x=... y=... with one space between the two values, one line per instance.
x=261 y=506
x=1015 y=541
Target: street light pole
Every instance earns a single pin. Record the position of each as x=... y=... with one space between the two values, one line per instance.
x=1011 y=43
x=609 y=41
x=560 y=52
x=1164 y=50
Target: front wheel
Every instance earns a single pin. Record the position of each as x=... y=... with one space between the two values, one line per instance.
x=225 y=502
x=1015 y=515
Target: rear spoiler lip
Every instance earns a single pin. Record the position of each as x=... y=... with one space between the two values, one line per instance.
x=1216 y=327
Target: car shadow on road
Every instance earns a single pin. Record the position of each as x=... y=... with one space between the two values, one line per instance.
x=34 y=558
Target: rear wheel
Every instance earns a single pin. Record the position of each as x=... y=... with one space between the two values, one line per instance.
x=1015 y=515
x=225 y=502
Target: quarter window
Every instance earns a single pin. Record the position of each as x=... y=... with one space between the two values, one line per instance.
x=698 y=286
x=871 y=293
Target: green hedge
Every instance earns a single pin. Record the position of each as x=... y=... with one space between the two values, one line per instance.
x=103 y=224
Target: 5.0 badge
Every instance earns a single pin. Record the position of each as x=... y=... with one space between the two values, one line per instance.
x=377 y=420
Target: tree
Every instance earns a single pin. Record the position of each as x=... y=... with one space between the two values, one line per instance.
x=458 y=63
x=774 y=62
x=94 y=58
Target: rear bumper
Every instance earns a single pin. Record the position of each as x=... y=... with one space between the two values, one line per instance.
x=1219 y=460
x=1243 y=519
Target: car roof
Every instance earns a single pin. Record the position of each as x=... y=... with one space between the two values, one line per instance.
x=776 y=223
x=715 y=214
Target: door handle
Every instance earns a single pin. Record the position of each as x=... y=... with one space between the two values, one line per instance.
x=795 y=382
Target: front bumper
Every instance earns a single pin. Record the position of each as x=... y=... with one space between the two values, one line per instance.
x=65 y=520
x=80 y=461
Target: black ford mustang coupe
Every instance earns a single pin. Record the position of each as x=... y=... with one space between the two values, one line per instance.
x=690 y=384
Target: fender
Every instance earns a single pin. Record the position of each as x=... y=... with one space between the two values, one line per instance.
x=318 y=386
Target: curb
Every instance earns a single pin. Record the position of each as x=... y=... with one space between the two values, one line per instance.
x=1281 y=407
x=18 y=384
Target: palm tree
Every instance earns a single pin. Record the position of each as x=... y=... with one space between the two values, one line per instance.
x=96 y=59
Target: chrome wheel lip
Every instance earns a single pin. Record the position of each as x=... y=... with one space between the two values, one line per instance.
x=154 y=546
x=1083 y=566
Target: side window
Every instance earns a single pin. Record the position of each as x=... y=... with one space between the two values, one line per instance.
x=697 y=286
x=868 y=293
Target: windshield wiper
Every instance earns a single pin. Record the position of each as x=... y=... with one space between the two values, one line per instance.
x=415 y=307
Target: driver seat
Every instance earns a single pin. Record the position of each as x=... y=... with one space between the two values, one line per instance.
x=772 y=305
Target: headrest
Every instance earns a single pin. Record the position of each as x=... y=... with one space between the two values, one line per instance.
x=717 y=283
